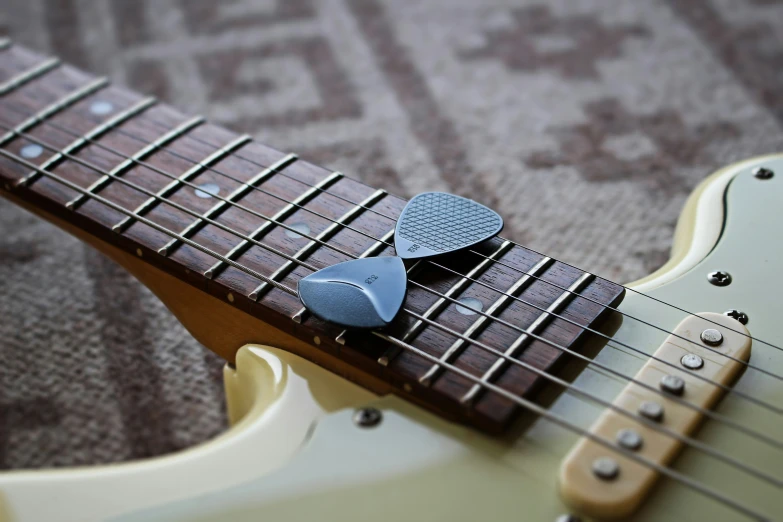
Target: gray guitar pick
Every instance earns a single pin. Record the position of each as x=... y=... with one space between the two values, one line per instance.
x=436 y=223
x=362 y=293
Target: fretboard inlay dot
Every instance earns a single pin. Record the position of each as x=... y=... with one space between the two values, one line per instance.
x=101 y=107
x=473 y=303
x=207 y=190
x=299 y=230
x=31 y=151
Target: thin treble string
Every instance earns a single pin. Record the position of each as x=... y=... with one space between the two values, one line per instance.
x=326 y=191
x=313 y=268
x=379 y=240
x=530 y=406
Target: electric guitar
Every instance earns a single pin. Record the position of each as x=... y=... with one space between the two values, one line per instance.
x=511 y=385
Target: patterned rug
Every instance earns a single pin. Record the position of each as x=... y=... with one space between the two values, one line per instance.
x=585 y=124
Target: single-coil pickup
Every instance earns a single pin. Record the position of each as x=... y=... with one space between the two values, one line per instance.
x=706 y=349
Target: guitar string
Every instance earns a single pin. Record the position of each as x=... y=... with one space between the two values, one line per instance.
x=761 y=370
x=641 y=352
x=543 y=412
x=499 y=262
x=374 y=211
x=569 y=387
x=527 y=404
x=557 y=346
x=589 y=361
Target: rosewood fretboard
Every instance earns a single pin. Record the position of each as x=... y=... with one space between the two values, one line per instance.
x=225 y=194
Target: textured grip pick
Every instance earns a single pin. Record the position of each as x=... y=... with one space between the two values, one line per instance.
x=435 y=223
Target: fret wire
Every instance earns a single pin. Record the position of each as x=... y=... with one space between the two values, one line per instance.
x=175 y=184
x=561 y=421
x=442 y=303
x=5 y=43
x=480 y=323
x=524 y=339
x=94 y=133
x=660 y=328
x=319 y=240
x=223 y=205
x=605 y=306
x=267 y=226
x=54 y=108
x=214 y=254
x=373 y=249
x=29 y=75
x=128 y=161
x=419 y=263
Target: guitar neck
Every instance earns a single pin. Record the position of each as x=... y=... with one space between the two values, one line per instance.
x=244 y=222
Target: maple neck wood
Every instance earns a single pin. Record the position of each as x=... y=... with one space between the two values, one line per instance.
x=244 y=222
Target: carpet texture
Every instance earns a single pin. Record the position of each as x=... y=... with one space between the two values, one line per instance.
x=585 y=124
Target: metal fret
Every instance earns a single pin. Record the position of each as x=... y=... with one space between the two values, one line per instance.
x=175 y=184
x=5 y=43
x=442 y=302
x=94 y=133
x=310 y=247
x=129 y=162
x=524 y=339
x=266 y=226
x=483 y=321
x=376 y=247
x=27 y=76
x=53 y=109
x=223 y=204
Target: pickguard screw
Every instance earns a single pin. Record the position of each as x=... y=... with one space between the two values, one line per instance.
x=606 y=468
x=719 y=278
x=712 y=337
x=763 y=173
x=367 y=417
x=739 y=315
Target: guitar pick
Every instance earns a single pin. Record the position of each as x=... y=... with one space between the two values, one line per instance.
x=436 y=223
x=362 y=293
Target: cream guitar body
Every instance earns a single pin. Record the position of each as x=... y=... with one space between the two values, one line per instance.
x=296 y=452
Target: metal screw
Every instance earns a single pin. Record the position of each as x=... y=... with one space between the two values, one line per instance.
x=606 y=468
x=712 y=337
x=692 y=361
x=629 y=439
x=568 y=518
x=672 y=384
x=651 y=410
x=367 y=417
x=763 y=173
x=719 y=278
x=739 y=315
